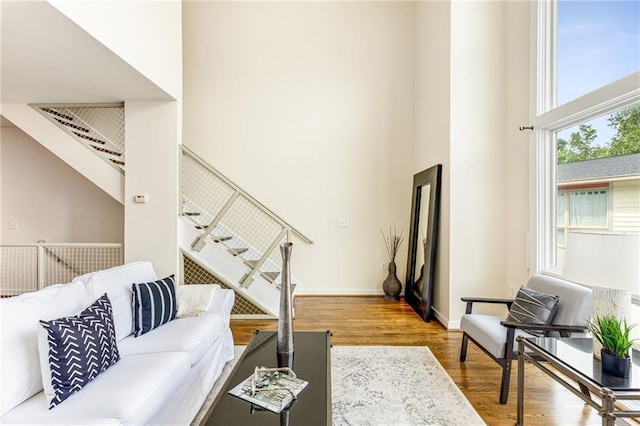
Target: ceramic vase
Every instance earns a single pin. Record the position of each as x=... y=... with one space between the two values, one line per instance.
x=392 y=285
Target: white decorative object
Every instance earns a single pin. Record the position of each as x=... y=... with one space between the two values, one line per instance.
x=609 y=263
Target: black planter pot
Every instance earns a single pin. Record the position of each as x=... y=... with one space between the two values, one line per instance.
x=614 y=365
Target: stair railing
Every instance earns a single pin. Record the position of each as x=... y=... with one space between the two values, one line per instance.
x=31 y=267
x=230 y=216
x=99 y=127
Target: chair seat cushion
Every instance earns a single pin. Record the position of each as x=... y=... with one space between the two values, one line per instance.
x=487 y=331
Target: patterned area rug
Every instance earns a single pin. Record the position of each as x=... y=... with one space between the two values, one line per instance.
x=395 y=385
x=385 y=385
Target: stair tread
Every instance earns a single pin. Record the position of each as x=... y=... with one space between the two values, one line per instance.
x=71 y=125
x=237 y=251
x=59 y=114
x=251 y=263
x=270 y=276
x=106 y=151
x=220 y=238
x=89 y=138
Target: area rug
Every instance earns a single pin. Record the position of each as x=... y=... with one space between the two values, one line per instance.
x=385 y=385
x=395 y=385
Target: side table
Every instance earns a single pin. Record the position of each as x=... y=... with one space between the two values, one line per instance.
x=581 y=373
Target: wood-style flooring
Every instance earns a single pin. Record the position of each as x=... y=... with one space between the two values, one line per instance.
x=370 y=321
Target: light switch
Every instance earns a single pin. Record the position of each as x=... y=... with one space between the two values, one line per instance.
x=343 y=223
x=12 y=224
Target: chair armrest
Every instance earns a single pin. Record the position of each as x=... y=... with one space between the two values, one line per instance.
x=564 y=330
x=471 y=300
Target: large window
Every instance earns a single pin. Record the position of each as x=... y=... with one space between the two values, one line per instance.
x=588 y=118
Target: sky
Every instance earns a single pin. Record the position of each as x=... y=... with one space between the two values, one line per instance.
x=598 y=42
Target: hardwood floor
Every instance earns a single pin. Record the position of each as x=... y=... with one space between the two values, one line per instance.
x=370 y=321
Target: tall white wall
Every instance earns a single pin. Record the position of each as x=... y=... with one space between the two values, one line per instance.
x=151 y=152
x=50 y=200
x=468 y=110
x=478 y=107
x=432 y=123
x=309 y=107
x=146 y=34
x=517 y=145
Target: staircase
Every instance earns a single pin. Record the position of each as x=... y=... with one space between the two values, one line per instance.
x=224 y=235
x=100 y=128
x=222 y=225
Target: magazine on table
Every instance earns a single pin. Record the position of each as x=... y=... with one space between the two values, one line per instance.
x=269 y=389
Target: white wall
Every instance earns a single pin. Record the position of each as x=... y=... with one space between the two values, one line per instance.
x=151 y=230
x=432 y=123
x=49 y=199
x=146 y=34
x=516 y=146
x=471 y=96
x=308 y=107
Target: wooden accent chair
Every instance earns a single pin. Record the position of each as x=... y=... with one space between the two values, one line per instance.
x=495 y=335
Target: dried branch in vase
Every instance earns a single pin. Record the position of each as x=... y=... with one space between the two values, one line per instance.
x=392 y=242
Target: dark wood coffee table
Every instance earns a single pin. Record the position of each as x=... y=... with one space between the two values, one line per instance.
x=311 y=362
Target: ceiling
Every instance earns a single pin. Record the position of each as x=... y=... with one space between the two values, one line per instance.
x=46 y=58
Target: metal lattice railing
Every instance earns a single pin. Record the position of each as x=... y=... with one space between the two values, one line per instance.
x=31 y=267
x=99 y=127
x=227 y=215
x=193 y=273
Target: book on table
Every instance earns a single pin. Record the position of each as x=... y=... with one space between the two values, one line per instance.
x=273 y=392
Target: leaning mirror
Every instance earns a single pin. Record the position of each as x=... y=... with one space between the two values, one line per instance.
x=423 y=236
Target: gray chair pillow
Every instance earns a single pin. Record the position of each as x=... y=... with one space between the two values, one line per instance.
x=533 y=307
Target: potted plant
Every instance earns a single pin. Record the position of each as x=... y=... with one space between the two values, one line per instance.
x=392 y=285
x=613 y=335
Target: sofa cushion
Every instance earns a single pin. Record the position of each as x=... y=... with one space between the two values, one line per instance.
x=116 y=282
x=132 y=391
x=154 y=304
x=193 y=335
x=75 y=350
x=533 y=307
x=20 y=375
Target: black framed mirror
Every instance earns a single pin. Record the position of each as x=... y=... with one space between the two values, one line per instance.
x=423 y=241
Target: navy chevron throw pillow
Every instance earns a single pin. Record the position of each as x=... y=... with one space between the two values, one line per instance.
x=80 y=348
x=154 y=304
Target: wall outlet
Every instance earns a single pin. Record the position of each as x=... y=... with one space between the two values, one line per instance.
x=343 y=223
x=383 y=266
x=12 y=224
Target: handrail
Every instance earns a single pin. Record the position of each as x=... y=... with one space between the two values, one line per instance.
x=246 y=195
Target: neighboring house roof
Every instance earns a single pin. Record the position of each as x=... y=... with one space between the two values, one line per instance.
x=600 y=169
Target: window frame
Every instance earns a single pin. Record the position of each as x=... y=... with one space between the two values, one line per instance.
x=548 y=119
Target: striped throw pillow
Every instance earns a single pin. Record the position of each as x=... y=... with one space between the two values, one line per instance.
x=154 y=304
x=533 y=307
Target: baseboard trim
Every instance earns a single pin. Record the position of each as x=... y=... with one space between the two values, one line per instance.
x=345 y=292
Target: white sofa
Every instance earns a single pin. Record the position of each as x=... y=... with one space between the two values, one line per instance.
x=162 y=377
